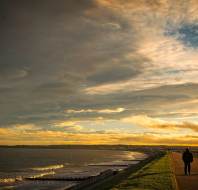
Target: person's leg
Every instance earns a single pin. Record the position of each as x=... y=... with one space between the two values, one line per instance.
x=189 y=168
x=185 y=168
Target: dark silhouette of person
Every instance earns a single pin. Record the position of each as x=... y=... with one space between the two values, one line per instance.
x=187 y=158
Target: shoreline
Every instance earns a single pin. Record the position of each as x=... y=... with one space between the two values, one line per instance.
x=109 y=178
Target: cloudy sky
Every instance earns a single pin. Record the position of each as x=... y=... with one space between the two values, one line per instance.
x=99 y=72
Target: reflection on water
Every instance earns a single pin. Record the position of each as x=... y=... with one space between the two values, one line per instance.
x=53 y=167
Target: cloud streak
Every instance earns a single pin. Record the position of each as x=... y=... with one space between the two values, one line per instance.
x=106 y=111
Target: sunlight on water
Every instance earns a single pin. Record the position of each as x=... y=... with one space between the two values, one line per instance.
x=53 y=167
x=20 y=178
x=43 y=174
x=10 y=180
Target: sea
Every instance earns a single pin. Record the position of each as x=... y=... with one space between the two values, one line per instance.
x=17 y=164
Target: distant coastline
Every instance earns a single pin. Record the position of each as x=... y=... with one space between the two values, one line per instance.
x=138 y=148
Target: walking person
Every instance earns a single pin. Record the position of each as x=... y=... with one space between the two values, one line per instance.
x=187 y=158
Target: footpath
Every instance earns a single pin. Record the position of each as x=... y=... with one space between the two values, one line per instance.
x=185 y=182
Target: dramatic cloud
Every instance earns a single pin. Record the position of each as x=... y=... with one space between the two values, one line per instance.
x=93 y=65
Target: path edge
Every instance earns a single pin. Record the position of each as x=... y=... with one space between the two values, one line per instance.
x=176 y=186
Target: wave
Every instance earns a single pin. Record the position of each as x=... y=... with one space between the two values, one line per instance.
x=51 y=167
x=10 y=180
x=20 y=178
x=43 y=174
x=47 y=170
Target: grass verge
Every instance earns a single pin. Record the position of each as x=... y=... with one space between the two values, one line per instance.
x=156 y=175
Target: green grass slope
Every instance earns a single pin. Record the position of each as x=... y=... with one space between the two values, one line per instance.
x=156 y=175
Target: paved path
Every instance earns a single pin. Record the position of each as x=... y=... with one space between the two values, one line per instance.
x=185 y=182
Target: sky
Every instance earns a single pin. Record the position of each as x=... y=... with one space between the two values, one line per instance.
x=99 y=72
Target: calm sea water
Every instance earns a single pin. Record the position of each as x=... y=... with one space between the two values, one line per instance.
x=20 y=163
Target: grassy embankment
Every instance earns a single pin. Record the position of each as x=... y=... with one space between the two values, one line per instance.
x=156 y=175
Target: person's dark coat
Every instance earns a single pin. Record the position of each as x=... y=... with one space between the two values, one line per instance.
x=187 y=156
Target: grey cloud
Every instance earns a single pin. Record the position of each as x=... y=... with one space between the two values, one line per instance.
x=42 y=59
x=13 y=74
x=113 y=74
x=150 y=102
x=50 y=51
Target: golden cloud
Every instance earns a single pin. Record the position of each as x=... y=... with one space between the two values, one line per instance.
x=145 y=121
x=107 y=111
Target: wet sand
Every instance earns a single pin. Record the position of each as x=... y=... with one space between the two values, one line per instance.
x=185 y=182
